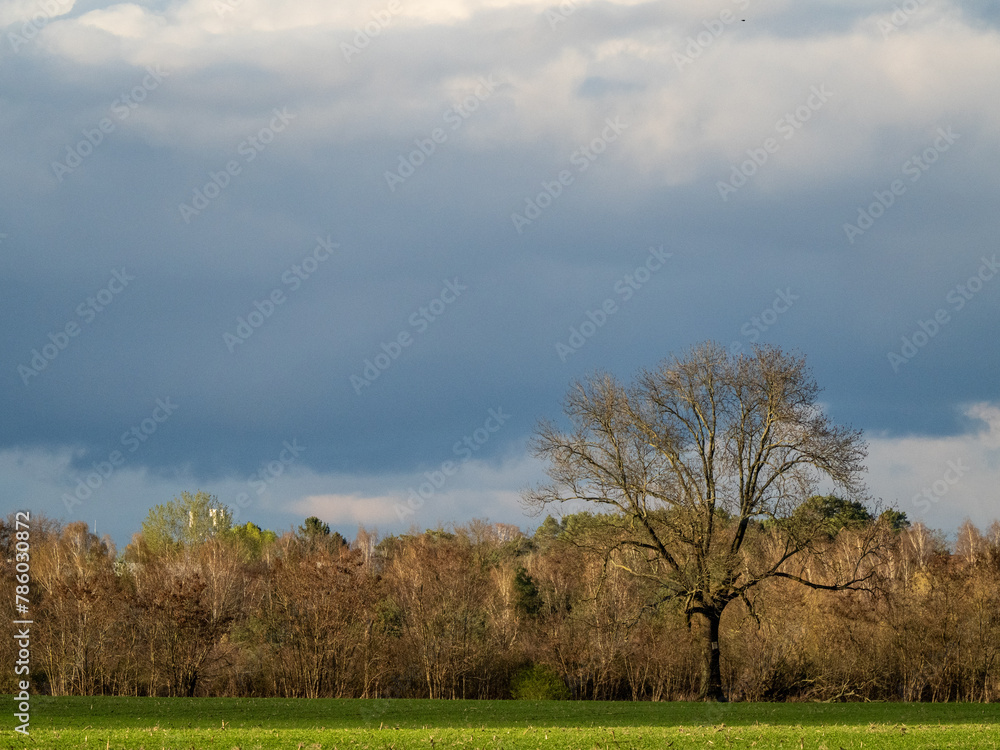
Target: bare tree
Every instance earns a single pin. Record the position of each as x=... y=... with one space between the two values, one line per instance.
x=700 y=468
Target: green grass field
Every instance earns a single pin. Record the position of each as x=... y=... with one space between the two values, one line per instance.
x=228 y=723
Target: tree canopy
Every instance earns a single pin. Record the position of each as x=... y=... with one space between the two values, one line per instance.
x=316 y=534
x=185 y=521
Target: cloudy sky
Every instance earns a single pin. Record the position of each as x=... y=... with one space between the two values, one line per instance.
x=315 y=257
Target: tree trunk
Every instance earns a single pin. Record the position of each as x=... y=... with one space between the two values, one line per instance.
x=711 y=673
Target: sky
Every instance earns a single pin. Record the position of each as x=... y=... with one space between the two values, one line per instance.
x=338 y=259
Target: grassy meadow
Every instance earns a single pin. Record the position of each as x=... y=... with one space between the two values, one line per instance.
x=247 y=724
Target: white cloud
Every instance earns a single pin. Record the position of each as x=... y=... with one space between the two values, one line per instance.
x=942 y=480
x=127 y=21
x=32 y=12
x=347 y=509
x=685 y=123
x=425 y=499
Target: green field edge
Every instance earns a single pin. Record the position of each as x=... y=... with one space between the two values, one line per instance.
x=106 y=712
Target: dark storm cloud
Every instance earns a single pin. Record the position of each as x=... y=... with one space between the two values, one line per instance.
x=250 y=147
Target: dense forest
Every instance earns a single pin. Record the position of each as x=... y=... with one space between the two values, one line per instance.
x=485 y=611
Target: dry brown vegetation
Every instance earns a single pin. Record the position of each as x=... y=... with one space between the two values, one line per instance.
x=464 y=613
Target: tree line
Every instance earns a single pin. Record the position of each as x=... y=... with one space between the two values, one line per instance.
x=706 y=563
x=485 y=611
